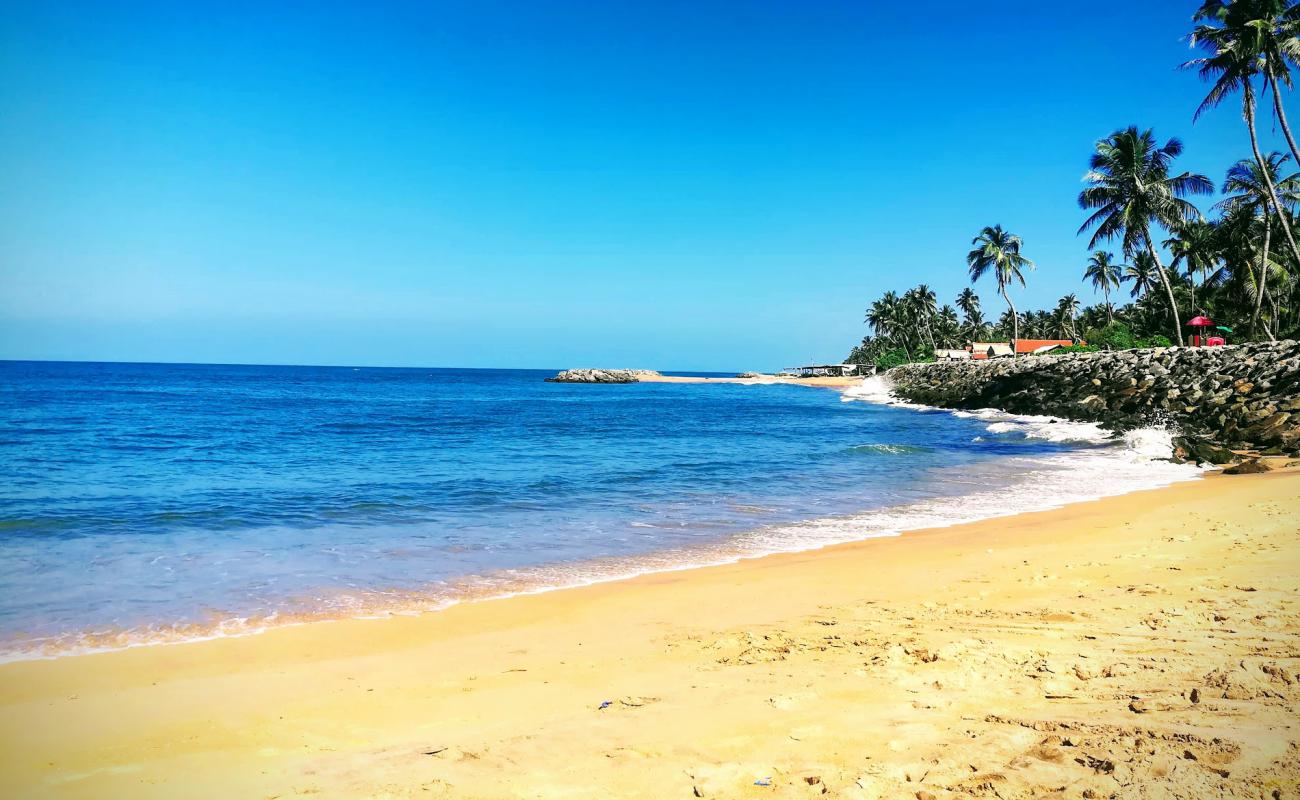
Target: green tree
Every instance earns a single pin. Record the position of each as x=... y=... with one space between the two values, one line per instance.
x=1267 y=30
x=1062 y=319
x=997 y=251
x=1142 y=274
x=1195 y=247
x=968 y=302
x=1104 y=274
x=922 y=305
x=947 y=328
x=1247 y=187
x=1130 y=189
x=1246 y=40
x=888 y=318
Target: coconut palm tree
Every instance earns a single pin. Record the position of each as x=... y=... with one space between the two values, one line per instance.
x=924 y=305
x=947 y=327
x=1267 y=30
x=887 y=318
x=973 y=327
x=998 y=251
x=1063 y=317
x=1245 y=40
x=1103 y=273
x=1131 y=189
x=1142 y=274
x=968 y=302
x=1195 y=246
x=1248 y=188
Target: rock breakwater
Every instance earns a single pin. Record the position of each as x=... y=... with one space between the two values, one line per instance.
x=1243 y=397
x=602 y=375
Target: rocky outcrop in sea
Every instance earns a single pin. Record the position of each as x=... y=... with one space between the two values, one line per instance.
x=1239 y=397
x=602 y=375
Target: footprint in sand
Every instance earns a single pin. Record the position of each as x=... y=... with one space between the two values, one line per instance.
x=786 y=701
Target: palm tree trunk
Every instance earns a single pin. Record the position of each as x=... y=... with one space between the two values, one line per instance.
x=903 y=341
x=1248 y=104
x=1263 y=275
x=1169 y=292
x=1015 y=319
x=1281 y=117
x=1110 y=314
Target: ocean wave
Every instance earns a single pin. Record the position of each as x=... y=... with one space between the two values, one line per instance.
x=1030 y=484
x=1154 y=442
x=888 y=449
x=1093 y=464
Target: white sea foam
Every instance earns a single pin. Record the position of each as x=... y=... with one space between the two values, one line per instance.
x=876 y=389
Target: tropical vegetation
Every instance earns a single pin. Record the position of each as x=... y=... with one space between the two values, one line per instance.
x=1234 y=259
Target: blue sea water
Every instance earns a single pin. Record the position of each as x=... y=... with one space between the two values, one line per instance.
x=146 y=502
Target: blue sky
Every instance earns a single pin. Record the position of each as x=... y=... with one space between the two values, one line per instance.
x=677 y=185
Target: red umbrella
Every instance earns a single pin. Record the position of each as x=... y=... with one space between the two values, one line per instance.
x=1200 y=322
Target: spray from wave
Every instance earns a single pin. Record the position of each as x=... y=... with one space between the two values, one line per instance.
x=1150 y=446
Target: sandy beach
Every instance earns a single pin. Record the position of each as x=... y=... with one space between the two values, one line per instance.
x=827 y=382
x=1138 y=646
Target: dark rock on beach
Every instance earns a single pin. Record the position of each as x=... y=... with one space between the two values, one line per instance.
x=1251 y=466
x=1220 y=399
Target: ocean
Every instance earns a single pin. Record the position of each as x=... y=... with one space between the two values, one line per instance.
x=150 y=503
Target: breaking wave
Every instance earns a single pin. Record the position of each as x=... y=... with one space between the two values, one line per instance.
x=1093 y=464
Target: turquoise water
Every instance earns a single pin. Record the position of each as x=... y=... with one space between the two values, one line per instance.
x=148 y=503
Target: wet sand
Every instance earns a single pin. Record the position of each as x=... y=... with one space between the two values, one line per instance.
x=1138 y=646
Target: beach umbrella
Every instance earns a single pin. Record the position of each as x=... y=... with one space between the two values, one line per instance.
x=1200 y=323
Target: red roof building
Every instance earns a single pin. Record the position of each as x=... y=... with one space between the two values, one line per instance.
x=1024 y=346
x=982 y=350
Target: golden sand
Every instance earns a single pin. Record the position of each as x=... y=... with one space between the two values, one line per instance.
x=1138 y=646
x=825 y=382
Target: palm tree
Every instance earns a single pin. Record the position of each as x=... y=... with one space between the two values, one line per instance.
x=888 y=318
x=973 y=327
x=1248 y=188
x=924 y=305
x=1005 y=324
x=1142 y=273
x=968 y=302
x=1131 y=188
x=1242 y=39
x=947 y=327
x=1104 y=275
x=1063 y=318
x=998 y=251
x=1267 y=30
x=1195 y=246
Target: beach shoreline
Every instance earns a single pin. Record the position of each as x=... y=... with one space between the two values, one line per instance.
x=827 y=382
x=782 y=537
x=854 y=664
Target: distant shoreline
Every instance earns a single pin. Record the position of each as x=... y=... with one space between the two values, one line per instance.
x=827 y=383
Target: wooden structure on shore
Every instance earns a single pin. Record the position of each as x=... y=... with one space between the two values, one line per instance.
x=829 y=370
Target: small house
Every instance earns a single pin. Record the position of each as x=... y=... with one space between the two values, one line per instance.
x=984 y=350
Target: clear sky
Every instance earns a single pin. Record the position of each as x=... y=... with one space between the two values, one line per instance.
x=677 y=185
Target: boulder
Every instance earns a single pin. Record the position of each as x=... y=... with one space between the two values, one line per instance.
x=1251 y=466
x=602 y=375
x=1220 y=399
